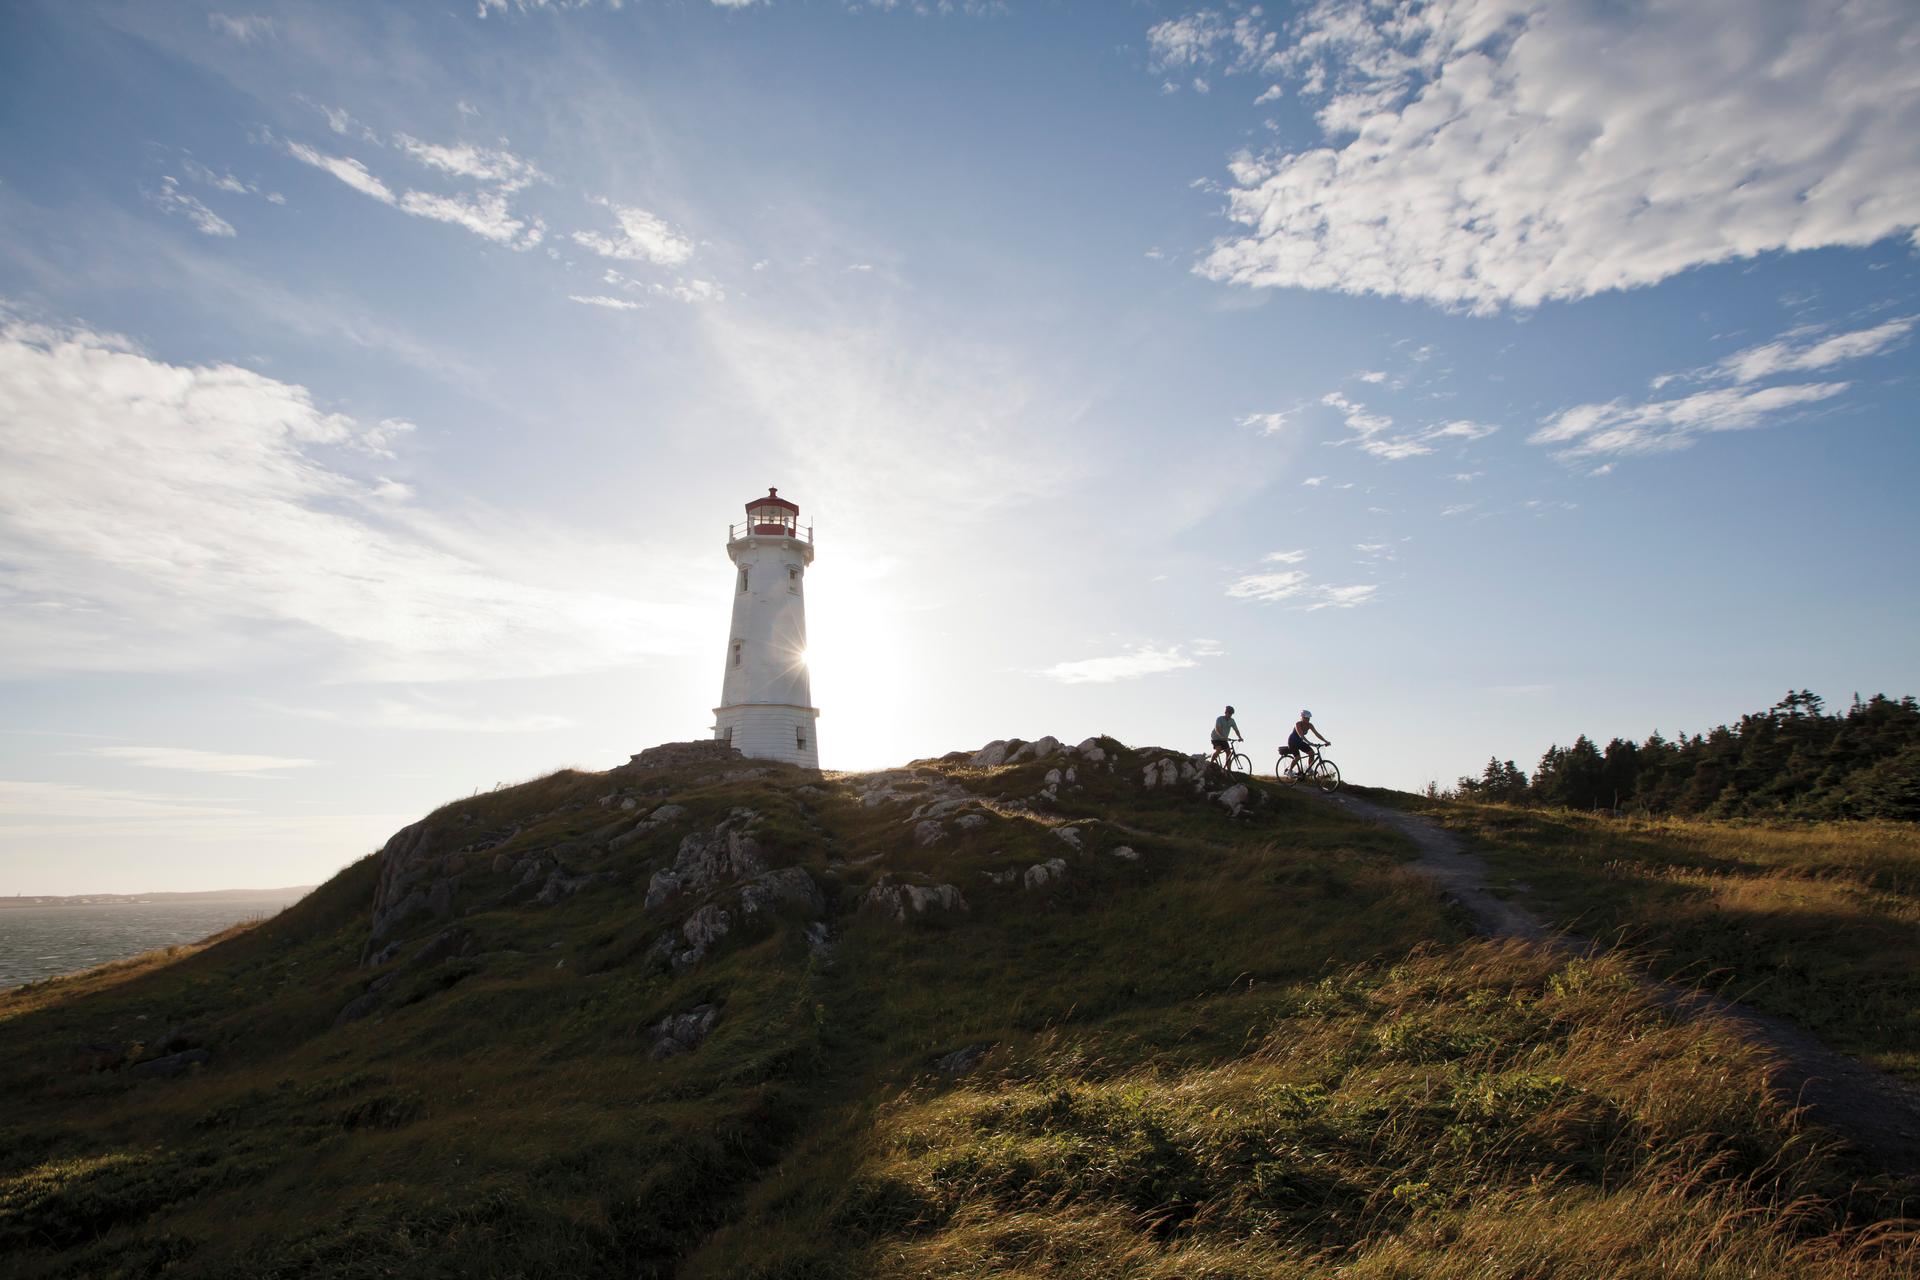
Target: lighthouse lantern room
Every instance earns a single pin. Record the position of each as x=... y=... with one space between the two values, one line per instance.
x=766 y=707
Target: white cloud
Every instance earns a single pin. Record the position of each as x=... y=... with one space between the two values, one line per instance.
x=1664 y=425
x=605 y=300
x=60 y=800
x=1371 y=375
x=643 y=237
x=172 y=199
x=429 y=715
x=1369 y=431
x=1284 y=557
x=1297 y=587
x=689 y=291
x=1143 y=660
x=1207 y=37
x=494 y=165
x=1269 y=423
x=1314 y=482
x=1458 y=509
x=1624 y=427
x=246 y=28
x=345 y=168
x=1482 y=153
x=484 y=213
x=157 y=516
x=1785 y=355
x=1461 y=430
x=195 y=761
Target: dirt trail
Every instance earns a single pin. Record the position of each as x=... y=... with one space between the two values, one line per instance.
x=1878 y=1112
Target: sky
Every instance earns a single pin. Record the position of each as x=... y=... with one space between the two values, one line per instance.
x=378 y=381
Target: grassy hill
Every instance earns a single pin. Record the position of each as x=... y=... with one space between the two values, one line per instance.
x=728 y=1019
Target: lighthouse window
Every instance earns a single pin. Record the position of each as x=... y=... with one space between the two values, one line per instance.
x=736 y=652
x=800 y=738
x=793 y=579
x=743 y=579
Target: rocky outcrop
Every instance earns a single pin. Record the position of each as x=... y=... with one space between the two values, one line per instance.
x=679 y=1033
x=728 y=852
x=789 y=888
x=900 y=903
x=1042 y=874
x=670 y=754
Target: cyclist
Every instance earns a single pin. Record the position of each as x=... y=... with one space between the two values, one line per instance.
x=1222 y=726
x=1297 y=740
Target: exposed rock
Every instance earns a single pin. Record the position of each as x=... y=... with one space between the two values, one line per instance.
x=1091 y=751
x=706 y=926
x=1234 y=797
x=991 y=756
x=820 y=940
x=971 y=821
x=357 y=1008
x=1070 y=835
x=457 y=941
x=562 y=885
x=679 y=1033
x=667 y=813
x=669 y=754
x=962 y=1060
x=501 y=861
x=1073 y=777
x=928 y=833
x=902 y=902
x=629 y=805
x=384 y=954
x=1039 y=749
x=1125 y=853
x=171 y=1067
x=1160 y=773
x=787 y=887
x=1002 y=877
x=1042 y=874
x=1054 y=777
x=440 y=896
x=729 y=851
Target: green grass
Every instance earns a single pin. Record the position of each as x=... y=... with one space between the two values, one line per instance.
x=1816 y=922
x=1265 y=1048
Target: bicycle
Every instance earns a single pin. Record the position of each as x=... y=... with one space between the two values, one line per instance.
x=1238 y=762
x=1317 y=769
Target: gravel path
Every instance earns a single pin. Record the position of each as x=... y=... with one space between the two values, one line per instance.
x=1879 y=1112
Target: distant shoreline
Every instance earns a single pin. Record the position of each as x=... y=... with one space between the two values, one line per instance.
x=112 y=899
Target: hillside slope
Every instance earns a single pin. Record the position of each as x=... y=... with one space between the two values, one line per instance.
x=1030 y=1011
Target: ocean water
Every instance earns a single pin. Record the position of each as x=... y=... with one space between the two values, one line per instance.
x=41 y=941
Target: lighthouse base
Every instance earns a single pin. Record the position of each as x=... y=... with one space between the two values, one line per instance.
x=770 y=731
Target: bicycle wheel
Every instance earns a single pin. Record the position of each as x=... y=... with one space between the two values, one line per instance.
x=1286 y=769
x=1327 y=774
x=1238 y=763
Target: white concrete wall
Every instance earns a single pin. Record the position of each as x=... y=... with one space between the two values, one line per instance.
x=771 y=732
x=766 y=697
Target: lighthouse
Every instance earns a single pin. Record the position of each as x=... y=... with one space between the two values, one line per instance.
x=766 y=707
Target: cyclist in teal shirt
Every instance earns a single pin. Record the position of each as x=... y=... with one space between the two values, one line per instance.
x=1222 y=726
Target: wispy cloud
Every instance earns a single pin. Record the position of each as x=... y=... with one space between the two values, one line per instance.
x=191 y=760
x=485 y=213
x=247 y=28
x=171 y=199
x=427 y=715
x=60 y=800
x=605 y=300
x=1297 y=586
x=642 y=237
x=1805 y=353
x=1627 y=427
x=1268 y=424
x=1370 y=431
x=159 y=516
x=1140 y=661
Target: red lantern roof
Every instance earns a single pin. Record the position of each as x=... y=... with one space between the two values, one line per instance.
x=773 y=499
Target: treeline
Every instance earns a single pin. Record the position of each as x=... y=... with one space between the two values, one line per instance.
x=1796 y=759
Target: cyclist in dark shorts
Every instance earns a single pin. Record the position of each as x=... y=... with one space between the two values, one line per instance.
x=1297 y=744
x=1222 y=726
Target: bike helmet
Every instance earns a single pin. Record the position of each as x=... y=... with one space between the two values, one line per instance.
x=1306 y=715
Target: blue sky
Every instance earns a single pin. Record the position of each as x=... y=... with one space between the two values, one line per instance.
x=377 y=382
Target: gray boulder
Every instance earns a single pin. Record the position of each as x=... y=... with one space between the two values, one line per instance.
x=991 y=756
x=928 y=833
x=1041 y=874
x=903 y=902
x=679 y=1033
x=787 y=887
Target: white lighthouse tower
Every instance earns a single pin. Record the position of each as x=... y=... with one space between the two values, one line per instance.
x=766 y=707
